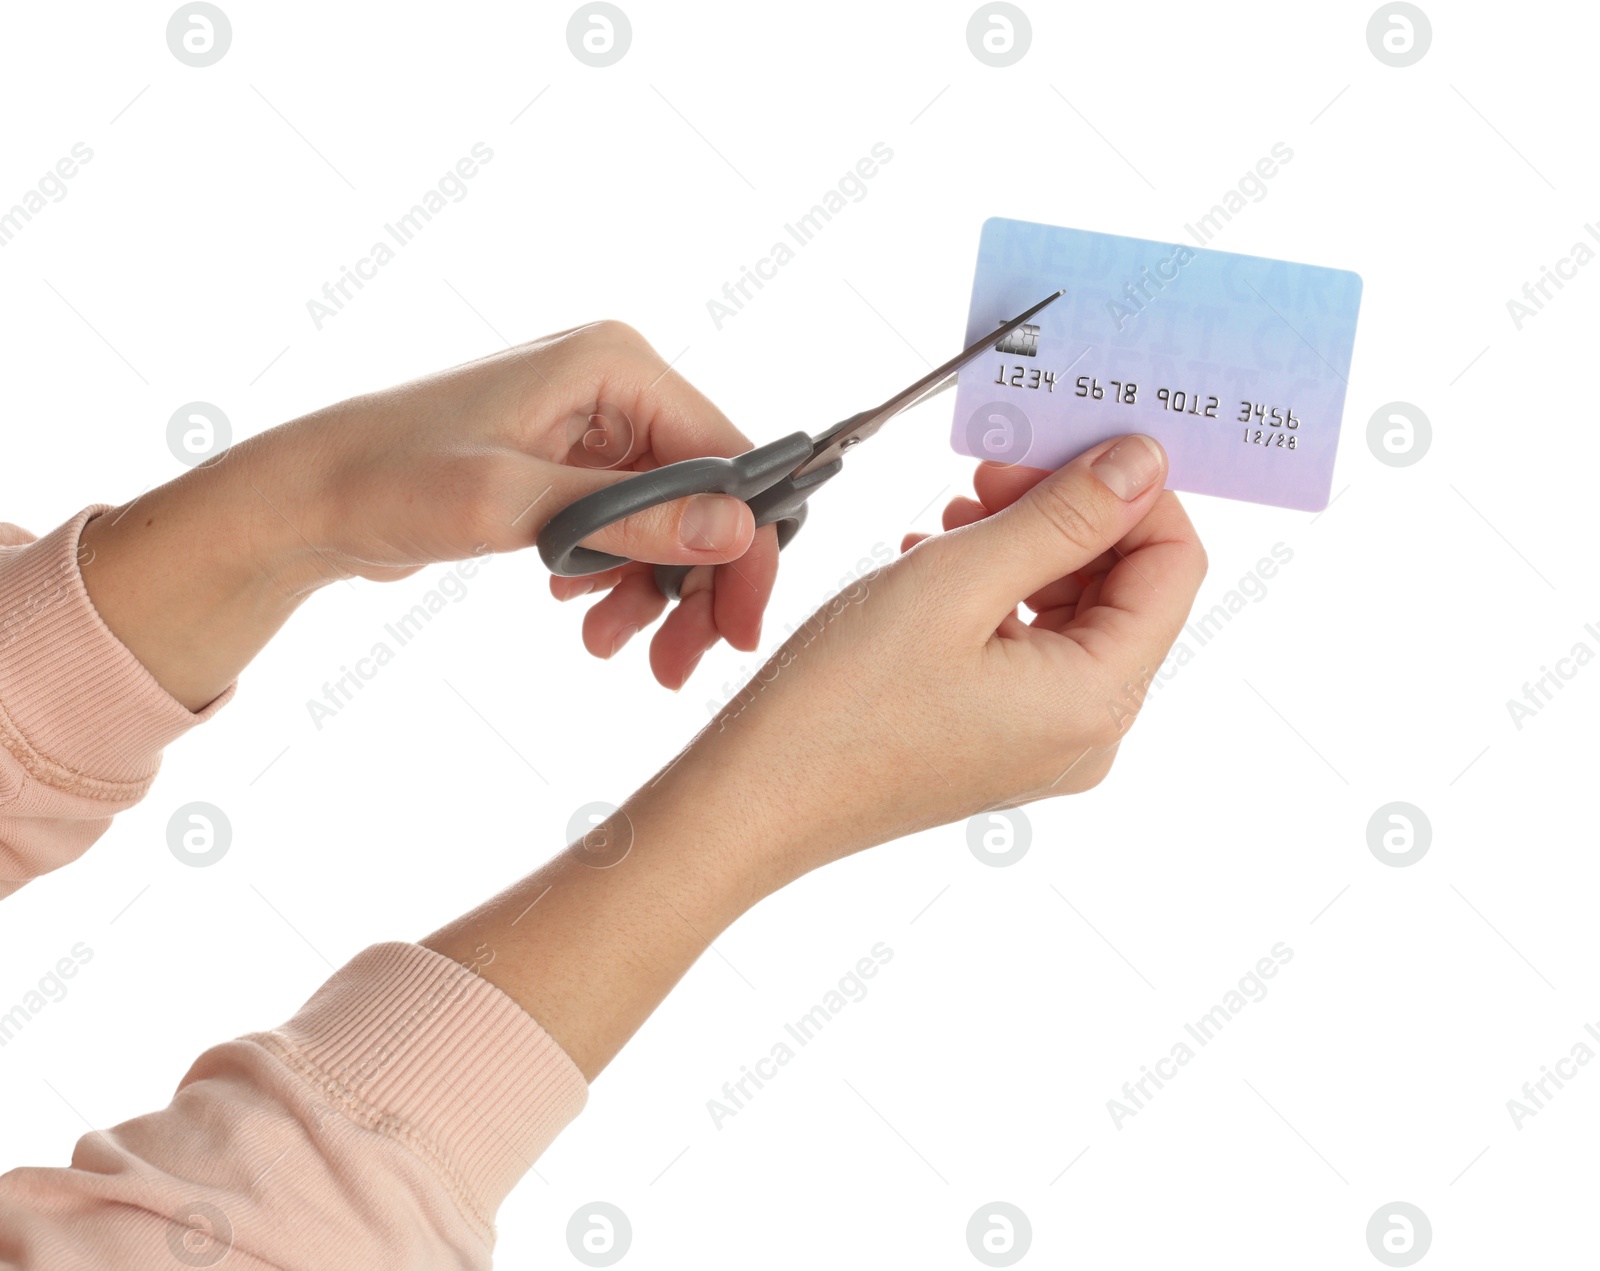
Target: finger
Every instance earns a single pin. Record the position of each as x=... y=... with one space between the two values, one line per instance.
x=962 y=511
x=664 y=419
x=1055 y=619
x=1059 y=602
x=682 y=423
x=563 y=588
x=632 y=605
x=999 y=485
x=727 y=603
x=1011 y=628
x=742 y=589
x=1064 y=593
x=666 y=416
x=1091 y=592
x=698 y=530
x=907 y=542
x=571 y=588
x=1063 y=522
x=676 y=649
x=1146 y=596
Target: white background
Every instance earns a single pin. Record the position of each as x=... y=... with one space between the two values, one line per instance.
x=1376 y=668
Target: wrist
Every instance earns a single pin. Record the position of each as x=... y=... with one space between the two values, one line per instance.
x=196 y=575
x=738 y=813
x=282 y=517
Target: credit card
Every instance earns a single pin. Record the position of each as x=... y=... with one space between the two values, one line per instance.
x=1236 y=364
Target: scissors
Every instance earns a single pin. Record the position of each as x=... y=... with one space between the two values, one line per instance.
x=774 y=480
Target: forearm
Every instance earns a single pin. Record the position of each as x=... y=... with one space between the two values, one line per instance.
x=383 y=1136
x=195 y=576
x=590 y=944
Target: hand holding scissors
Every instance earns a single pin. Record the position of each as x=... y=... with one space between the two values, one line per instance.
x=775 y=480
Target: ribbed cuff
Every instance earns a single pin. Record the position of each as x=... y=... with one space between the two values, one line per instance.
x=77 y=709
x=411 y=1044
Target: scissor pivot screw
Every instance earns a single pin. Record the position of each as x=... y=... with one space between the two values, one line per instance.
x=848 y=442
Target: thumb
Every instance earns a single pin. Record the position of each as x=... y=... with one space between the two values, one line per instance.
x=699 y=530
x=1066 y=521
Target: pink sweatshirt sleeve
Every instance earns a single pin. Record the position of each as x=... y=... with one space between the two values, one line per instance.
x=381 y=1127
x=82 y=723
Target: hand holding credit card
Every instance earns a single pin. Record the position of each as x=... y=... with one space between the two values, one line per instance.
x=1237 y=365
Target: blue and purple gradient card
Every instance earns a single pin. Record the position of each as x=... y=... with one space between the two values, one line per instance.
x=1236 y=364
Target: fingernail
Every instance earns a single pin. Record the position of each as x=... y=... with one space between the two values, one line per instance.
x=688 y=671
x=710 y=522
x=1129 y=467
x=622 y=637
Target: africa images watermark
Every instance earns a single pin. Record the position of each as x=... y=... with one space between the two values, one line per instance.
x=1541 y=692
x=1251 y=589
x=1536 y=1094
x=52 y=186
x=851 y=987
x=452 y=186
x=1201 y=629
x=802 y=230
x=52 y=988
x=1251 y=987
x=1252 y=185
x=1537 y=294
x=450 y=588
x=1140 y=291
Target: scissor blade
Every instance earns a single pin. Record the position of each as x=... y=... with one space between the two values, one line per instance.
x=831 y=444
x=948 y=382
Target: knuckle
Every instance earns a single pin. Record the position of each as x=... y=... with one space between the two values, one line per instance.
x=611 y=331
x=481 y=491
x=1111 y=721
x=1098 y=769
x=1073 y=513
x=637 y=536
x=933 y=556
x=1100 y=713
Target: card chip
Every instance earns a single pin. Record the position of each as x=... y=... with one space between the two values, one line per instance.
x=1023 y=341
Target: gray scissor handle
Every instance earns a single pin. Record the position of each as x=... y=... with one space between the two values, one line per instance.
x=782 y=504
x=758 y=476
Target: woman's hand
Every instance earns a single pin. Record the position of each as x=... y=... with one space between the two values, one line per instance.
x=917 y=697
x=920 y=696
x=480 y=457
x=196 y=575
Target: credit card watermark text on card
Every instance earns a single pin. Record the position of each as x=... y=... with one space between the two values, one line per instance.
x=1238 y=365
